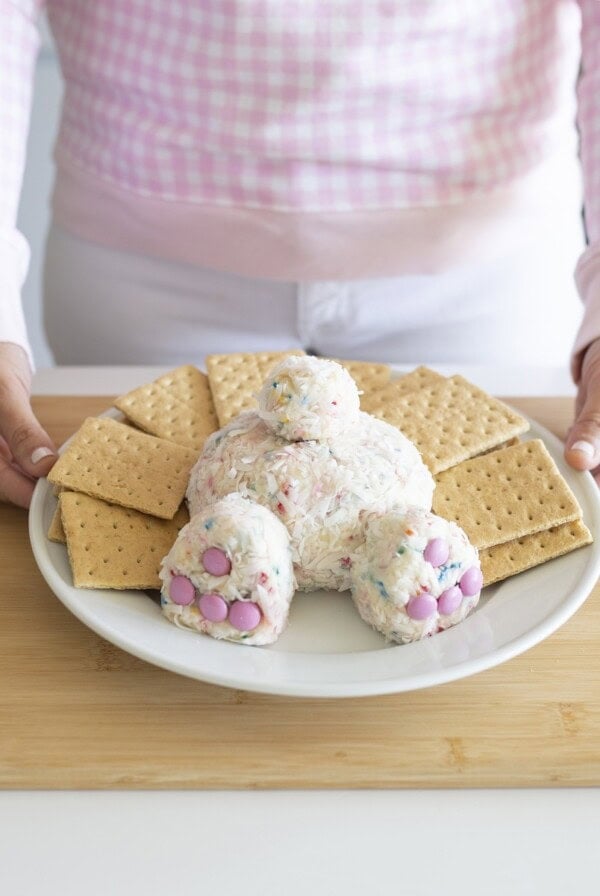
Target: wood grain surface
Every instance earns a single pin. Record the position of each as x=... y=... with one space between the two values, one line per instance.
x=77 y=712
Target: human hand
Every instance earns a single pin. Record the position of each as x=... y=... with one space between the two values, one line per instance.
x=582 y=449
x=26 y=451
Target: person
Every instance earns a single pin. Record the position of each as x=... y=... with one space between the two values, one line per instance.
x=385 y=179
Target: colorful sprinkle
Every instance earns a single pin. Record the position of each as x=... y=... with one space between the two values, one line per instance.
x=444 y=570
x=381 y=588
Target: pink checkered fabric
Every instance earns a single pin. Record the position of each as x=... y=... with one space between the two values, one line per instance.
x=307 y=105
x=313 y=104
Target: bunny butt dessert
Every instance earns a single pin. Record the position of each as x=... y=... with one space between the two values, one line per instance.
x=319 y=469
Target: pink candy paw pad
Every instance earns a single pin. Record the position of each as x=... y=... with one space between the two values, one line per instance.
x=216 y=562
x=241 y=614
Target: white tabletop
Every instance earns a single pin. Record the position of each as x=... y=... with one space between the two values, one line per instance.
x=319 y=842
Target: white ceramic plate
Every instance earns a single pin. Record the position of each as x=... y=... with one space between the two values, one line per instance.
x=327 y=650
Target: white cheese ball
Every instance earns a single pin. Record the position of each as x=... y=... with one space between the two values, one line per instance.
x=229 y=573
x=320 y=492
x=307 y=398
x=416 y=574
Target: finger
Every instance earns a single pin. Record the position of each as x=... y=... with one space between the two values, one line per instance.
x=15 y=487
x=583 y=440
x=30 y=446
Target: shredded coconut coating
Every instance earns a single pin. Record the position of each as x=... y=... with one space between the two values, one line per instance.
x=257 y=546
x=391 y=569
x=307 y=398
x=319 y=491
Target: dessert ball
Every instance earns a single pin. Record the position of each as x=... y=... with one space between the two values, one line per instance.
x=308 y=398
x=229 y=573
x=416 y=574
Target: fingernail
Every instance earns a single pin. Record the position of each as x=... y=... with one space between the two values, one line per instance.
x=584 y=447
x=39 y=454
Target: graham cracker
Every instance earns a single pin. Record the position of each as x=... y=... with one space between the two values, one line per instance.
x=114 y=462
x=367 y=375
x=504 y=560
x=115 y=547
x=419 y=378
x=378 y=395
x=505 y=494
x=55 y=531
x=449 y=421
x=177 y=406
x=235 y=380
x=507 y=444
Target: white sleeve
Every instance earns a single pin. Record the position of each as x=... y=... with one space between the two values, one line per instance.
x=19 y=42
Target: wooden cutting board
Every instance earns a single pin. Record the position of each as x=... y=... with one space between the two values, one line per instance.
x=77 y=712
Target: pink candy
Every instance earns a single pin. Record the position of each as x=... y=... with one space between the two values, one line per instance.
x=471 y=581
x=421 y=606
x=216 y=562
x=213 y=607
x=437 y=551
x=244 y=615
x=450 y=600
x=181 y=591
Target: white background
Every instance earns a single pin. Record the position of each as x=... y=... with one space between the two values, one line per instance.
x=290 y=843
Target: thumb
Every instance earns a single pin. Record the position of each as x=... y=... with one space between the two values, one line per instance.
x=583 y=440
x=31 y=447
